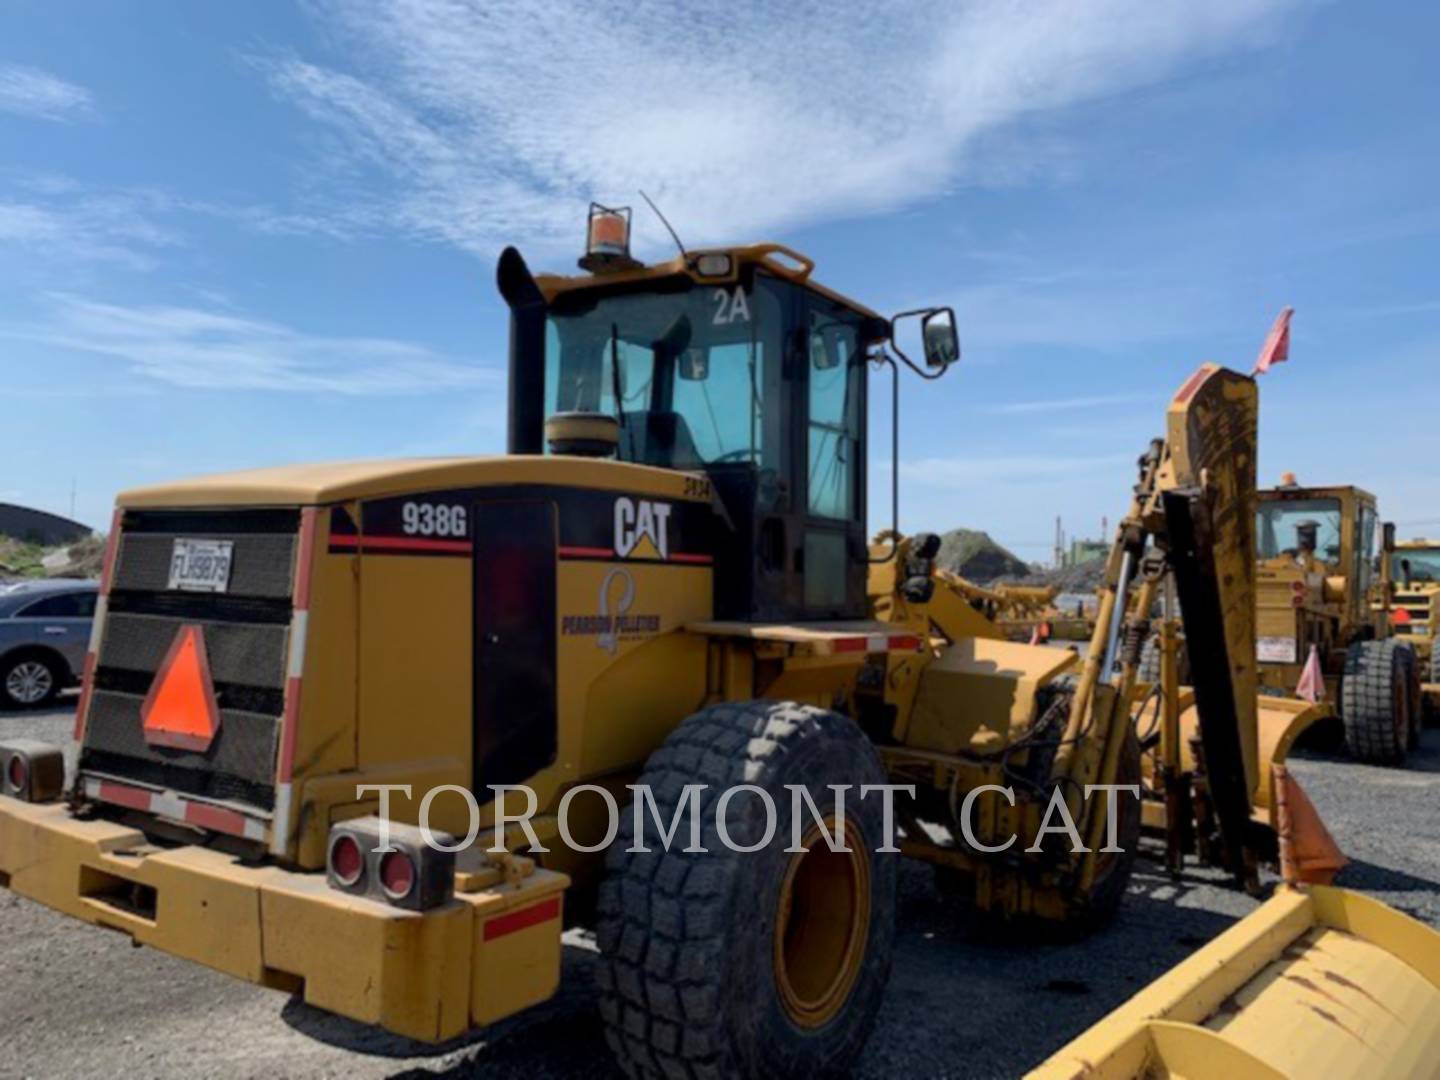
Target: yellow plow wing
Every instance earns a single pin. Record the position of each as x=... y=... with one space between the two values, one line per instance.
x=1316 y=982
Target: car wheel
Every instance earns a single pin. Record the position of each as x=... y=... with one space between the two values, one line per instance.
x=29 y=681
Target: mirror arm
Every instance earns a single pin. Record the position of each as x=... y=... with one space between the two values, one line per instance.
x=895 y=345
x=885 y=358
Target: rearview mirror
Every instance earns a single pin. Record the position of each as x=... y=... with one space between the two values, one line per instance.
x=939 y=340
x=942 y=341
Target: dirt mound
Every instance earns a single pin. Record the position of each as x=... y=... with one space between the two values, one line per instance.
x=1081 y=578
x=21 y=559
x=973 y=555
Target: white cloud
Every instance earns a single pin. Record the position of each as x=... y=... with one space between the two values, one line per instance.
x=1011 y=408
x=73 y=227
x=206 y=349
x=30 y=92
x=495 y=120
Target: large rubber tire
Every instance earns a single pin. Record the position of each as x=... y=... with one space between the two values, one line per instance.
x=1415 y=696
x=694 y=964
x=1376 y=701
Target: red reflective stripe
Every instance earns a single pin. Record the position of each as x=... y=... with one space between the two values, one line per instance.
x=1191 y=385
x=575 y=552
x=586 y=553
x=523 y=919
x=400 y=543
x=291 y=727
x=215 y=819
x=87 y=680
x=862 y=644
x=124 y=795
x=301 y=597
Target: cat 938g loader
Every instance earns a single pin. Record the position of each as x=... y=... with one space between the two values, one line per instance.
x=661 y=601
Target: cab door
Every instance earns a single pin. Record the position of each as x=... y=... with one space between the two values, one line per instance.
x=833 y=551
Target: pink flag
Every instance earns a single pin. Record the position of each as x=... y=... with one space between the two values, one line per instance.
x=1277 y=343
x=1312 y=681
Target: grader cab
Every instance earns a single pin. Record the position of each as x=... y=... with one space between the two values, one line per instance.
x=316 y=694
x=1415 y=609
x=1324 y=589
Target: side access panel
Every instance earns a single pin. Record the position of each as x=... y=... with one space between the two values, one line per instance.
x=515 y=731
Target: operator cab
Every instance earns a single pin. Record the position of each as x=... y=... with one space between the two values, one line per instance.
x=730 y=364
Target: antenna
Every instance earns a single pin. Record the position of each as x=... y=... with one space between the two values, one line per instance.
x=673 y=234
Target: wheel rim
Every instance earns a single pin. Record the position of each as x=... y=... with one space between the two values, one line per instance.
x=28 y=682
x=822 y=926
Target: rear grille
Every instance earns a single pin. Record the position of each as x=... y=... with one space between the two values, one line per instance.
x=246 y=633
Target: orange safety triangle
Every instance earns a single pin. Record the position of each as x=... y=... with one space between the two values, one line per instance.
x=1311 y=686
x=180 y=710
x=1308 y=853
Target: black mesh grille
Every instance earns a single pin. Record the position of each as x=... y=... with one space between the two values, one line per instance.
x=246 y=634
x=244 y=653
x=261 y=563
x=244 y=747
x=221 y=523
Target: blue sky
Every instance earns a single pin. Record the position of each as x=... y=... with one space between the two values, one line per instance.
x=246 y=234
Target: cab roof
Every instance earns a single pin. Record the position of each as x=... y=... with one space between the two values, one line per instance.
x=1308 y=491
x=314 y=484
x=785 y=263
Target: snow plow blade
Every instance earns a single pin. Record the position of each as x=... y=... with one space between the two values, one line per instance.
x=1316 y=982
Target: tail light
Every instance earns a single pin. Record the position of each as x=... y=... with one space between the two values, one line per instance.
x=408 y=874
x=397 y=875
x=346 y=861
x=31 y=770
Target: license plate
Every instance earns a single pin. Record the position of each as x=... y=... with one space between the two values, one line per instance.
x=1276 y=650
x=201 y=565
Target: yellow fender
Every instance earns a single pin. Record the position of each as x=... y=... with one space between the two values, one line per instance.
x=1317 y=981
x=1279 y=722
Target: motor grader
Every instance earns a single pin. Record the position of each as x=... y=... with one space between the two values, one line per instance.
x=1324 y=560
x=304 y=680
x=1414 y=609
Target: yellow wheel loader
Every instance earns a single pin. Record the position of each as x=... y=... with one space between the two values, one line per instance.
x=1322 y=566
x=372 y=733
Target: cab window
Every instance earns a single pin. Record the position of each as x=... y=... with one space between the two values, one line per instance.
x=691 y=372
x=834 y=423
x=1365 y=550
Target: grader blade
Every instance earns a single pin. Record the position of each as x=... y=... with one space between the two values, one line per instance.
x=1316 y=982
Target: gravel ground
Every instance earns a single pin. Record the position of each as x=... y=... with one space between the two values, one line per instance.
x=80 y=1001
